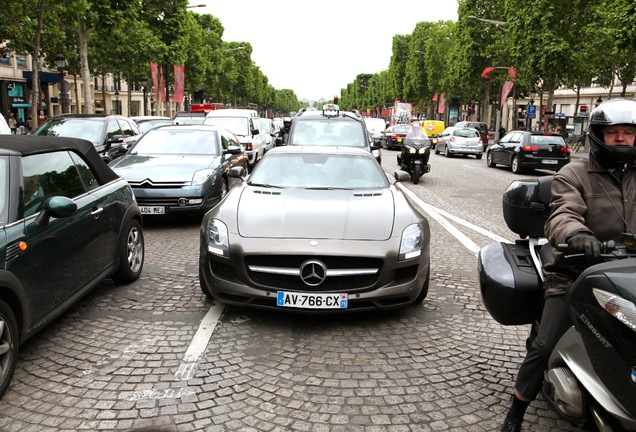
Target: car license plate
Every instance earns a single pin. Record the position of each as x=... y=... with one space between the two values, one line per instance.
x=549 y=161
x=152 y=210
x=312 y=301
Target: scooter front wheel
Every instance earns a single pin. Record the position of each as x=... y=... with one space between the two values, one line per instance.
x=415 y=175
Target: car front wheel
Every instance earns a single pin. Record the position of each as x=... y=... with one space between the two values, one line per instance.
x=131 y=260
x=9 y=344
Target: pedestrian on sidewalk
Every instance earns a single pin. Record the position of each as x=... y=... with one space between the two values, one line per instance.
x=579 y=144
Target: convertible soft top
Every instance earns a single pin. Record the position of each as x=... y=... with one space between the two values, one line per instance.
x=31 y=144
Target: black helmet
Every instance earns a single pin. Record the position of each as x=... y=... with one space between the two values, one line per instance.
x=287 y=122
x=612 y=112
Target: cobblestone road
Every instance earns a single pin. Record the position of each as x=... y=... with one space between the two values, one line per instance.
x=112 y=361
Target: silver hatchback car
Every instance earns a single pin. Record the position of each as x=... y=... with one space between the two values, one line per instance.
x=460 y=141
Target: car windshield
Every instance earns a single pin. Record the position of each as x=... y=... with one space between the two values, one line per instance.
x=4 y=189
x=547 y=139
x=319 y=171
x=189 y=120
x=266 y=125
x=171 y=141
x=90 y=129
x=332 y=132
x=236 y=125
x=373 y=123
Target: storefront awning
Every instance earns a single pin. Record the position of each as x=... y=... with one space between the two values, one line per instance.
x=48 y=77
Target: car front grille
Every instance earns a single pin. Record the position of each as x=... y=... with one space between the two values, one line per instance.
x=333 y=273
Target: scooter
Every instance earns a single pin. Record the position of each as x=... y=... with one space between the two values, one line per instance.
x=413 y=158
x=591 y=375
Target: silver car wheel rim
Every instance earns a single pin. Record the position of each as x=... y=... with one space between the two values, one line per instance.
x=135 y=250
x=6 y=344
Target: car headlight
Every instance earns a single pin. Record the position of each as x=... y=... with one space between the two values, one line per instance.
x=218 y=239
x=201 y=176
x=411 y=242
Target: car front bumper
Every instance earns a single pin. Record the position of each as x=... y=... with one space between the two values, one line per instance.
x=252 y=279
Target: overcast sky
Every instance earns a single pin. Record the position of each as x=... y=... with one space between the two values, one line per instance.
x=317 y=47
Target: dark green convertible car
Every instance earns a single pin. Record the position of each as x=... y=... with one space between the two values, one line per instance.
x=67 y=222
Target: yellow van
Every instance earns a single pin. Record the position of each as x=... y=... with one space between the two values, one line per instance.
x=433 y=128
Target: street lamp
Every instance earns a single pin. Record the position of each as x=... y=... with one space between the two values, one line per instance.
x=499 y=25
x=116 y=101
x=144 y=82
x=599 y=101
x=63 y=86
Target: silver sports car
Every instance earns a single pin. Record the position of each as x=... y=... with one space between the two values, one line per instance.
x=315 y=229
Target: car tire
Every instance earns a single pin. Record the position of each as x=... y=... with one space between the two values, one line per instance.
x=437 y=149
x=446 y=152
x=131 y=259
x=9 y=344
x=515 y=166
x=424 y=291
x=479 y=156
x=204 y=288
x=489 y=161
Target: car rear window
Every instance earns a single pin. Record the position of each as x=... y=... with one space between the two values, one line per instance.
x=547 y=139
x=466 y=133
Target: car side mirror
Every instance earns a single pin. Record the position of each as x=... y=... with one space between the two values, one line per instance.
x=233 y=149
x=237 y=172
x=115 y=139
x=255 y=132
x=57 y=207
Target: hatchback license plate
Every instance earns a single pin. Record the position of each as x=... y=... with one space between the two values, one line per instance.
x=312 y=301
x=549 y=161
x=152 y=210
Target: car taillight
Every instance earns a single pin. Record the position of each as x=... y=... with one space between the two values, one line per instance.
x=452 y=139
x=487 y=136
x=565 y=149
x=480 y=141
x=250 y=147
x=530 y=148
x=394 y=136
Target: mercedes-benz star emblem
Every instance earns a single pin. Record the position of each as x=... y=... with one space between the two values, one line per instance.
x=313 y=272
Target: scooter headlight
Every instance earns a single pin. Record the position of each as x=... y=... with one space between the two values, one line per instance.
x=412 y=150
x=620 y=308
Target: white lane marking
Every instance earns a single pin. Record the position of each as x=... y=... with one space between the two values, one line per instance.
x=199 y=343
x=161 y=394
x=440 y=216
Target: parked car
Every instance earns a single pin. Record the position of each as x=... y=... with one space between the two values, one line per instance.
x=332 y=233
x=330 y=126
x=460 y=141
x=4 y=127
x=108 y=133
x=481 y=127
x=244 y=123
x=181 y=169
x=375 y=126
x=527 y=150
x=394 y=135
x=146 y=123
x=67 y=222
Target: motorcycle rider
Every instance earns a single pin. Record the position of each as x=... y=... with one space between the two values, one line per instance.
x=581 y=215
x=284 y=131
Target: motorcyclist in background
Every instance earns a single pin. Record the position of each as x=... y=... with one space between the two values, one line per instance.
x=284 y=132
x=581 y=215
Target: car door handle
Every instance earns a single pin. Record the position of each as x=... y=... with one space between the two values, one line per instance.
x=97 y=212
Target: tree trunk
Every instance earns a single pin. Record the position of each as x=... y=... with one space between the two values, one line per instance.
x=35 y=66
x=83 y=33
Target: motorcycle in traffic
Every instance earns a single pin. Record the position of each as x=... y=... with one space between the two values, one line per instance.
x=591 y=374
x=415 y=153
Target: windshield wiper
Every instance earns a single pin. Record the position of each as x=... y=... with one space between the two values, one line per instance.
x=266 y=185
x=327 y=188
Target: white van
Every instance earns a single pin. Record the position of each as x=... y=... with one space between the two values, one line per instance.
x=4 y=127
x=245 y=124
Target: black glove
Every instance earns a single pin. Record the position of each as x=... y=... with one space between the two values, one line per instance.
x=587 y=244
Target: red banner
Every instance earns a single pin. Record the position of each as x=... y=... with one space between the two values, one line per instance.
x=179 y=83
x=440 y=104
x=157 y=76
x=505 y=91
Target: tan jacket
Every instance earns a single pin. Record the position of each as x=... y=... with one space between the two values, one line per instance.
x=582 y=196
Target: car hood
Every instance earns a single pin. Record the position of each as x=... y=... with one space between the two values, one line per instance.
x=324 y=214
x=161 y=167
